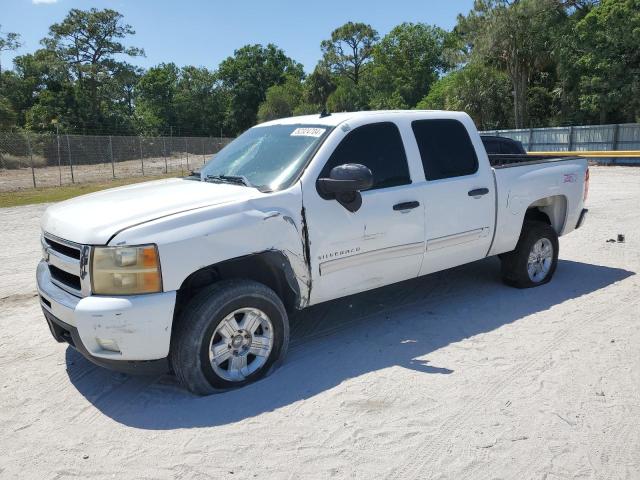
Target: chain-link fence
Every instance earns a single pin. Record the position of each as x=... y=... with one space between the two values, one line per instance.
x=29 y=160
x=597 y=137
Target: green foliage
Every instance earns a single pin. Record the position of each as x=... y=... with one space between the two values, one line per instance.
x=608 y=61
x=247 y=75
x=319 y=85
x=479 y=90
x=407 y=61
x=516 y=37
x=7 y=115
x=155 y=93
x=507 y=63
x=543 y=106
x=8 y=41
x=349 y=49
x=200 y=105
x=348 y=97
x=281 y=100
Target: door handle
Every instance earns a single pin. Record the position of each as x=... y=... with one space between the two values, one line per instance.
x=478 y=192
x=406 y=205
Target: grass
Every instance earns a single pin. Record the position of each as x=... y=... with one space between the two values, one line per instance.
x=13 y=162
x=57 y=194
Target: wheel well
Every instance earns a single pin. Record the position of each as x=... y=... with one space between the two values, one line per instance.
x=550 y=210
x=271 y=268
x=534 y=213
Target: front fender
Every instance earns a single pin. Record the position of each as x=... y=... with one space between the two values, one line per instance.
x=190 y=241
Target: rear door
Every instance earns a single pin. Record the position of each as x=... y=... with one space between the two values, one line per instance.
x=459 y=196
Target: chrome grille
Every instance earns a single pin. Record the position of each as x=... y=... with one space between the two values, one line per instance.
x=68 y=264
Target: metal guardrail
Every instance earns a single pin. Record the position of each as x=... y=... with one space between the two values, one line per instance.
x=593 y=153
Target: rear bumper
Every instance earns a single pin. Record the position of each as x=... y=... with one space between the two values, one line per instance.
x=582 y=217
x=135 y=328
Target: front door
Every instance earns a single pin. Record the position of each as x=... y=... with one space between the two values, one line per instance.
x=382 y=242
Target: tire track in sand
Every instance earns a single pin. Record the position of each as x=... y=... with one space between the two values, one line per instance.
x=426 y=455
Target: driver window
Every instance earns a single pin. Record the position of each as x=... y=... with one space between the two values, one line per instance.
x=377 y=146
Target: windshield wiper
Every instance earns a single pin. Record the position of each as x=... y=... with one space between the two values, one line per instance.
x=235 y=179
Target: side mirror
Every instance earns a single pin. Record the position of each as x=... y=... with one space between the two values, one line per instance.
x=345 y=183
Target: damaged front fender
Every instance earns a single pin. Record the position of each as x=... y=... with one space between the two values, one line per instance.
x=198 y=239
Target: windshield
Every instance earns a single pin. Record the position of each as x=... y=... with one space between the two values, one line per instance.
x=268 y=158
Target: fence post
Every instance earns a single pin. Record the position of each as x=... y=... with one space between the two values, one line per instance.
x=186 y=151
x=113 y=165
x=33 y=172
x=204 y=157
x=59 y=162
x=70 y=163
x=2 y=164
x=616 y=135
x=530 y=139
x=570 y=146
x=141 y=157
x=164 y=154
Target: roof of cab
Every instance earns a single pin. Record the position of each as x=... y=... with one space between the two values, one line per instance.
x=335 y=119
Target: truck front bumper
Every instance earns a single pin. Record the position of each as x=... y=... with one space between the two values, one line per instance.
x=130 y=334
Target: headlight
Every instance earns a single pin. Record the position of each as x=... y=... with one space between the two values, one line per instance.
x=126 y=270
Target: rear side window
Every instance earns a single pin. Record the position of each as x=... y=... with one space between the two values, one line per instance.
x=445 y=148
x=377 y=146
x=513 y=147
x=491 y=146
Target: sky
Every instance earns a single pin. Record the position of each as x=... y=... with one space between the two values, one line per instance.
x=203 y=33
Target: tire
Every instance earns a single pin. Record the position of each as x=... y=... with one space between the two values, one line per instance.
x=208 y=324
x=516 y=271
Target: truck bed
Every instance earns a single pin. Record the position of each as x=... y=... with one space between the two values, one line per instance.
x=511 y=160
x=553 y=184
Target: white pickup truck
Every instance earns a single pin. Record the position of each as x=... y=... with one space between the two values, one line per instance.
x=198 y=274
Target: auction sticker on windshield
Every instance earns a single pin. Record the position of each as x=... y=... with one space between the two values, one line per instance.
x=308 y=132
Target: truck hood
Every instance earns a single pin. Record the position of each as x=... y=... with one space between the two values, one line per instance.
x=94 y=218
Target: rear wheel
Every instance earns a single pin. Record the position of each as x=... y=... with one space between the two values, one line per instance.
x=535 y=258
x=229 y=335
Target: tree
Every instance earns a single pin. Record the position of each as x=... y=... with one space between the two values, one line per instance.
x=318 y=86
x=349 y=49
x=40 y=90
x=189 y=99
x=247 y=76
x=479 y=90
x=515 y=36
x=281 y=100
x=607 y=46
x=348 y=97
x=88 y=41
x=7 y=115
x=8 y=41
x=154 y=93
x=200 y=102
x=406 y=62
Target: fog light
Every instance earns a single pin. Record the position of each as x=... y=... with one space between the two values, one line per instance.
x=108 y=344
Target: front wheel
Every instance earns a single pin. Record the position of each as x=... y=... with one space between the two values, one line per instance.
x=229 y=335
x=535 y=258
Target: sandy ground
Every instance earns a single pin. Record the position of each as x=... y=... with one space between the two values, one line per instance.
x=452 y=376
